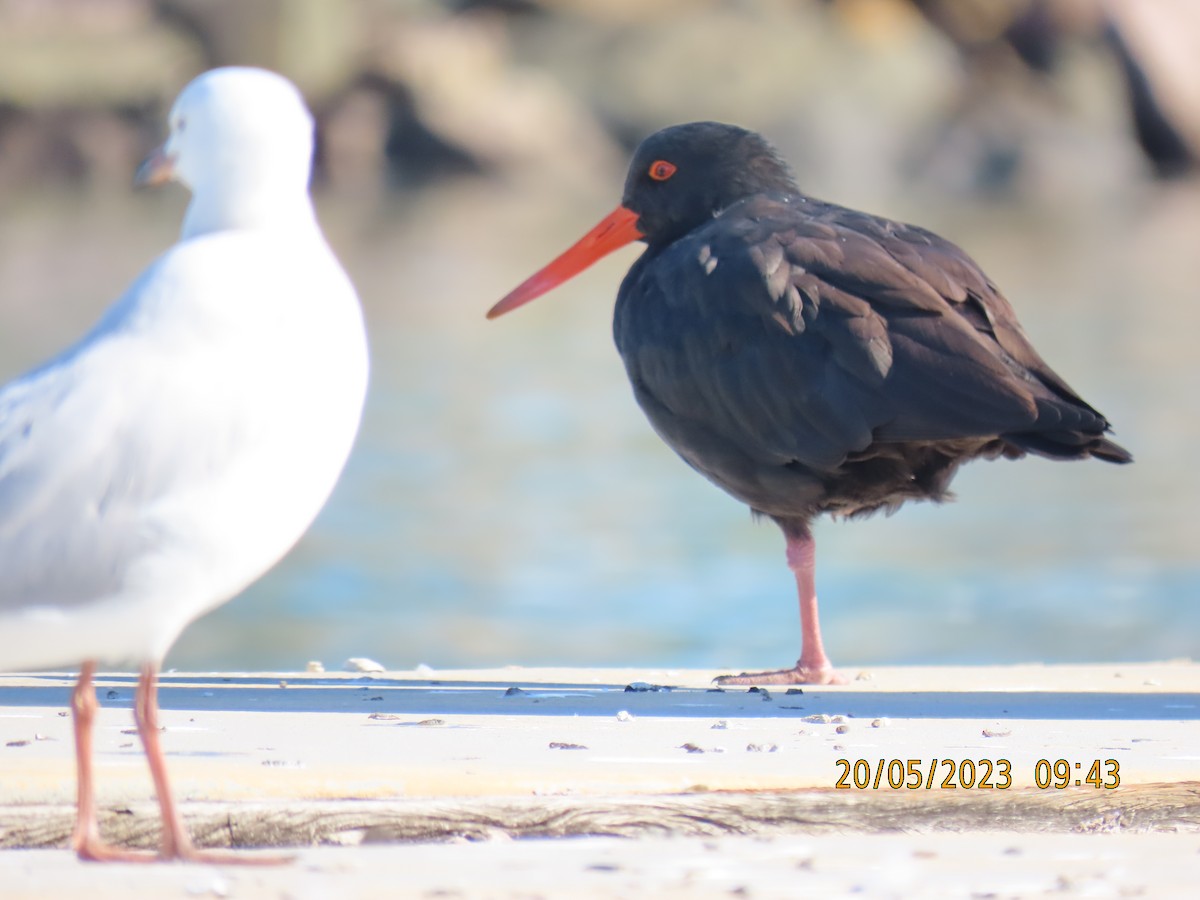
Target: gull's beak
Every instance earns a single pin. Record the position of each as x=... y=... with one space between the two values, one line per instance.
x=158 y=168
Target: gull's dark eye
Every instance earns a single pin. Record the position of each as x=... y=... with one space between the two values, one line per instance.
x=661 y=170
x=181 y=125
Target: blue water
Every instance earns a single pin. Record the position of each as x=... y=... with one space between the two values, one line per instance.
x=507 y=503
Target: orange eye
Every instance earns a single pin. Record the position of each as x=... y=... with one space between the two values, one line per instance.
x=661 y=170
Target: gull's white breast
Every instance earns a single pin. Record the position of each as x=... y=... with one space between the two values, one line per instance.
x=166 y=461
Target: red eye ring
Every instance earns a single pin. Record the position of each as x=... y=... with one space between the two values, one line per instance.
x=661 y=170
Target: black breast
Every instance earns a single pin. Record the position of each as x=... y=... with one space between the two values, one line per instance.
x=808 y=358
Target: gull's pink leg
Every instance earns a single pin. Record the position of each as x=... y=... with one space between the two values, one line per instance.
x=813 y=667
x=83 y=716
x=85 y=840
x=176 y=842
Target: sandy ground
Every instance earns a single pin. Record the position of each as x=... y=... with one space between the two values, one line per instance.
x=726 y=793
x=901 y=866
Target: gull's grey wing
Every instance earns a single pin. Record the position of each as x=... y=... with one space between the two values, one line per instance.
x=72 y=482
x=88 y=445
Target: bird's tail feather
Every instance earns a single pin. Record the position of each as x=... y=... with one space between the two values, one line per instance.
x=1070 y=445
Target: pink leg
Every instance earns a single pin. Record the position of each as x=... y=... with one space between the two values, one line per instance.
x=176 y=844
x=813 y=666
x=86 y=840
x=86 y=837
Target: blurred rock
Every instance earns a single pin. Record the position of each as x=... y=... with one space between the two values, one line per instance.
x=315 y=42
x=469 y=89
x=1012 y=54
x=372 y=137
x=59 y=54
x=755 y=64
x=1157 y=44
x=970 y=94
x=79 y=84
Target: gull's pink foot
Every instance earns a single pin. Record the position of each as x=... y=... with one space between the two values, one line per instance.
x=93 y=849
x=232 y=858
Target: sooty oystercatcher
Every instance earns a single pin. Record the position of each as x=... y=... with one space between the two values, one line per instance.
x=809 y=358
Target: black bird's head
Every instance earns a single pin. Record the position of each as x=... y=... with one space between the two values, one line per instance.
x=679 y=179
x=684 y=175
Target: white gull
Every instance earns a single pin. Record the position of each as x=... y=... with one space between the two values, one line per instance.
x=159 y=466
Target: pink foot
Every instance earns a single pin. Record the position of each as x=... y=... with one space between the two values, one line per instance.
x=92 y=849
x=233 y=858
x=96 y=850
x=798 y=674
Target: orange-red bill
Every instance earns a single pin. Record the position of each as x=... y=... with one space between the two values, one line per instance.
x=615 y=230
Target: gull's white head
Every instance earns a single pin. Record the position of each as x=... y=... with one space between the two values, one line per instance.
x=241 y=140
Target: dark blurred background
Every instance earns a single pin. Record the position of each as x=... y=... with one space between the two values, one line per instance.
x=506 y=502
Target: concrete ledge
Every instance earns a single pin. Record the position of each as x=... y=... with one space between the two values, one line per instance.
x=300 y=760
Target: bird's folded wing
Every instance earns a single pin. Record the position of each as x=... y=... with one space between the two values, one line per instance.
x=804 y=340
x=136 y=414
x=68 y=494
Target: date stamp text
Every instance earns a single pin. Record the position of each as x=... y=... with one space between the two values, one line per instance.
x=971 y=774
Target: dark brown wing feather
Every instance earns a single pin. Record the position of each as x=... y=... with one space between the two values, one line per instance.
x=789 y=343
